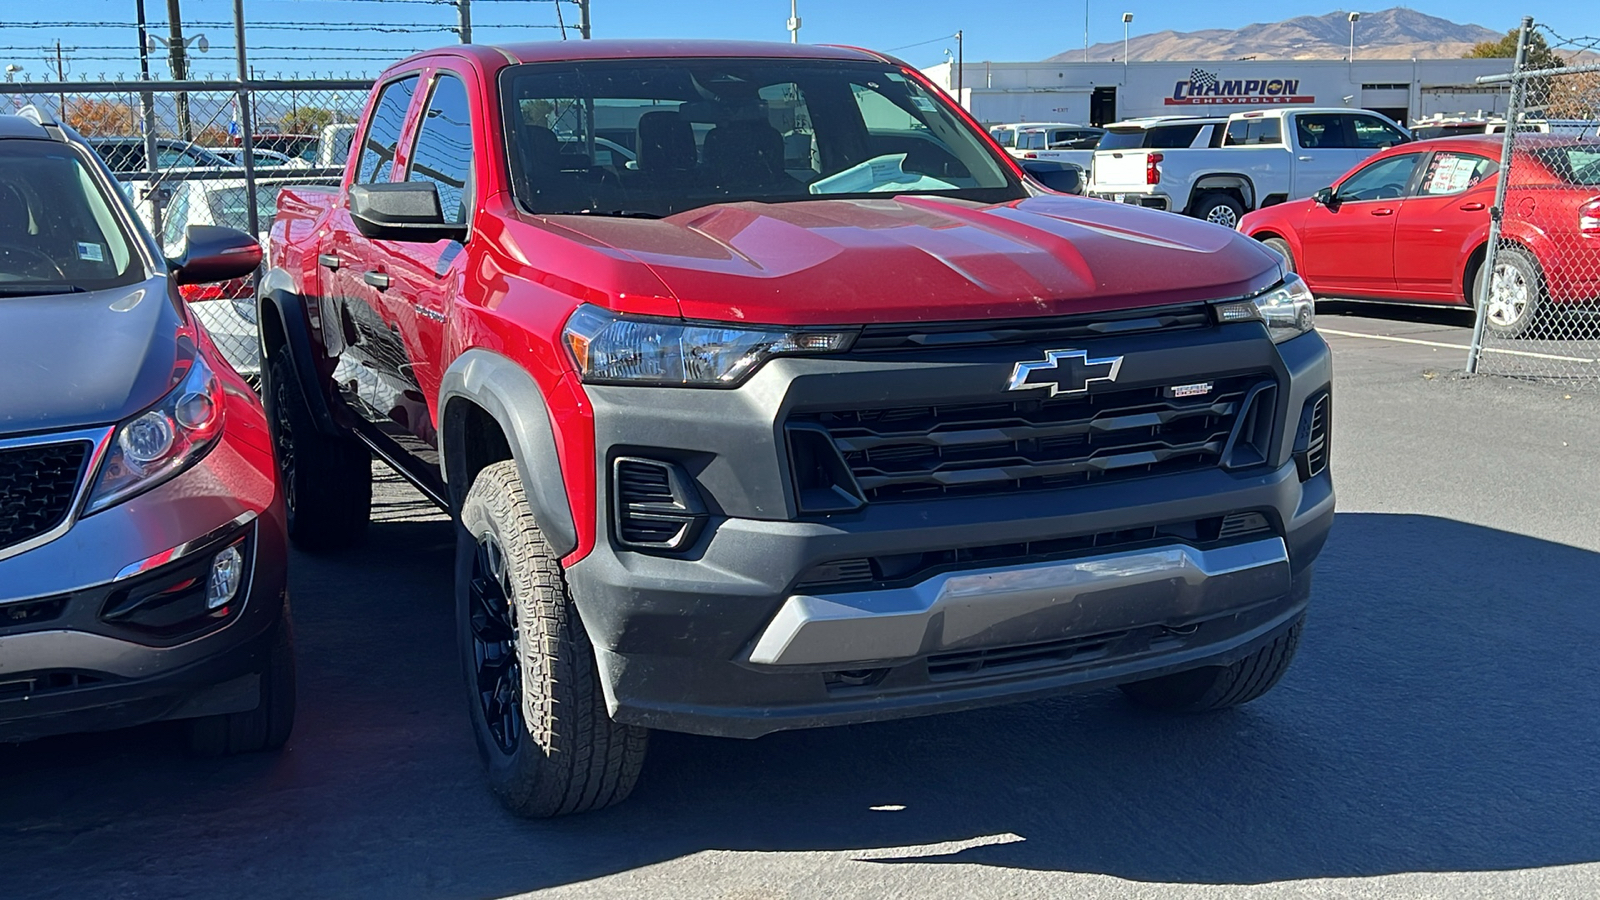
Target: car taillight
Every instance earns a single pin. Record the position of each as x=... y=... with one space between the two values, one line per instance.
x=1152 y=175
x=1589 y=217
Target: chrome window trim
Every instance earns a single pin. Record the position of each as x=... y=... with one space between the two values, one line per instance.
x=100 y=439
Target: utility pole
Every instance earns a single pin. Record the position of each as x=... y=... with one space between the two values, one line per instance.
x=246 y=125
x=464 y=8
x=1085 y=30
x=583 y=19
x=180 y=67
x=961 y=70
x=147 y=113
x=61 y=76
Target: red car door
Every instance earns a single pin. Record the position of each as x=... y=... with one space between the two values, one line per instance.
x=424 y=277
x=1347 y=244
x=1448 y=213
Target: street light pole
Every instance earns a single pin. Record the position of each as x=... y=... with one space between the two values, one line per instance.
x=180 y=69
x=1085 y=30
x=1354 y=18
x=1127 y=19
x=961 y=69
x=794 y=22
x=464 y=11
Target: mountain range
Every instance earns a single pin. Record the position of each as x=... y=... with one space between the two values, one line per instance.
x=1397 y=33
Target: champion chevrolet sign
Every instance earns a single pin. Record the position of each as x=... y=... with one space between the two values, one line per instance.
x=1207 y=88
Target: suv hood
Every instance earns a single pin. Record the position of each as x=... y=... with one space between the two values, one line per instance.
x=908 y=259
x=76 y=360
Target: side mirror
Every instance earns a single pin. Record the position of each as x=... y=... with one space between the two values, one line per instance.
x=402 y=211
x=1063 y=178
x=1323 y=197
x=213 y=254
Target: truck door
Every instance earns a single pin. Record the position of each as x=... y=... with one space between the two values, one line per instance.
x=1450 y=207
x=1327 y=145
x=425 y=278
x=369 y=359
x=1348 y=243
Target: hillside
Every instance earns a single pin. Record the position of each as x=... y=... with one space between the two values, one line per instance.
x=1389 y=34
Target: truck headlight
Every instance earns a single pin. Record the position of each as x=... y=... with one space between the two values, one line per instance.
x=610 y=348
x=1288 y=310
x=157 y=444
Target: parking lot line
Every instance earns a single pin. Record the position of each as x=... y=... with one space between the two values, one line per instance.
x=1403 y=340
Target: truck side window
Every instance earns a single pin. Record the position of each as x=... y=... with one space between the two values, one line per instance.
x=443 y=152
x=1375 y=134
x=1321 y=131
x=383 y=132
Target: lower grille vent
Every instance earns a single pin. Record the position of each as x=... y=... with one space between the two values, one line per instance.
x=1311 y=441
x=656 y=506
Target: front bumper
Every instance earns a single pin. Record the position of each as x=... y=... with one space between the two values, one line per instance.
x=728 y=637
x=100 y=627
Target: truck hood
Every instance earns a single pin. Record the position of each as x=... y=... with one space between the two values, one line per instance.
x=928 y=259
x=76 y=360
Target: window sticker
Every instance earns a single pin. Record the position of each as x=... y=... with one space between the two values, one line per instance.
x=923 y=103
x=91 y=252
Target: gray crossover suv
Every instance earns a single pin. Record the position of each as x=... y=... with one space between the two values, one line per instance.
x=142 y=535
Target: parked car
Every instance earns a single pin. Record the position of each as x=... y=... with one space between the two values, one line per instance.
x=295 y=146
x=1062 y=142
x=264 y=159
x=1257 y=159
x=1411 y=224
x=820 y=412
x=143 y=536
x=127 y=155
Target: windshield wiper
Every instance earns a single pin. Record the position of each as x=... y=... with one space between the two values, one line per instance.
x=20 y=289
x=615 y=213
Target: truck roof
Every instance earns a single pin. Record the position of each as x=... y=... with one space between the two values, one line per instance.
x=566 y=51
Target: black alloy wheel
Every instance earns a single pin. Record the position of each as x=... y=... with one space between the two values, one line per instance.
x=494 y=645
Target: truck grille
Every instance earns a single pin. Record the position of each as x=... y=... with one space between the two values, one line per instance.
x=37 y=486
x=909 y=453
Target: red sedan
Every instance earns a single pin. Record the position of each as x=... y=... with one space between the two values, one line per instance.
x=1411 y=223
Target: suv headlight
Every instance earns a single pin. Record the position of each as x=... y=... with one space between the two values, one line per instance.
x=157 y=444
x=1287 y=310
x=609 y=348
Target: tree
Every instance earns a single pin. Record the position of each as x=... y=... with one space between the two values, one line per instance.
x=102 y=118
x=306 y=120
x=1540 y=56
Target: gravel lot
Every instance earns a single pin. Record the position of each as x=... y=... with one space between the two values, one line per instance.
x=1439 y=735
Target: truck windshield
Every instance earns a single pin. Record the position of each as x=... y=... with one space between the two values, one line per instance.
x=58 y=232
x=660 y=137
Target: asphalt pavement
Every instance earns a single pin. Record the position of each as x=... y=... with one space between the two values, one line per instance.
x=1438 y=736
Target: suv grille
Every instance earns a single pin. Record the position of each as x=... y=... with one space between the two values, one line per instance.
x=37 y=486
x=909 y=453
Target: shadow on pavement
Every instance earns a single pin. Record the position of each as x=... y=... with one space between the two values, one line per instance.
x=1442 y=716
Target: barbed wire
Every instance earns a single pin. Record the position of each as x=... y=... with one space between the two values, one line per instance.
x=1563 y=42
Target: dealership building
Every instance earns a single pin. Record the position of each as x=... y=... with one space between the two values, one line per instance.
x=1099 y=92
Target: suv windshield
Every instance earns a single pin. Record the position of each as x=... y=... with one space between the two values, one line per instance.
x=698 y=132
x=58 y=232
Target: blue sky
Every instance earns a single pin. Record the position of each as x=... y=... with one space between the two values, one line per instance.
x=1014 y=30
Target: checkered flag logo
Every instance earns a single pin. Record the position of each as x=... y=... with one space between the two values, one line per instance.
x=1200 y=80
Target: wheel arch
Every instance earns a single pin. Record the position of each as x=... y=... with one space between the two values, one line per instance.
x=1224 y=181
x=285 y=324
x=490 y=410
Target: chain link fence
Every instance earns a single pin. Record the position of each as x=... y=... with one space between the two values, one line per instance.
x=179 y=149
x=1538 y=291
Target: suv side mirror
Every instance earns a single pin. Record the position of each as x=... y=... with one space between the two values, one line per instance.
x=212 y=253
x=1061 y=177
x=1324 y=197
x=402 y=211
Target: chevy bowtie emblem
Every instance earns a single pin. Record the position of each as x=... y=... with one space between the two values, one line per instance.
x=1064 y=372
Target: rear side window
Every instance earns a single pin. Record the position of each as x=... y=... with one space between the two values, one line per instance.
x=1323 y=131
x=376 y=164
x=1452 y=173
x=1171 y=137
x=1253 y=131
x=443 y=153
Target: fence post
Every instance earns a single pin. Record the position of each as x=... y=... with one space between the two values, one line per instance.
x=147 y=114
x=1480 y=299
x=246 y=126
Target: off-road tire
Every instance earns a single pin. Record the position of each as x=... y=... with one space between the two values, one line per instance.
x=1216 y=207
x=266 y=727
x=1281 y=247
x=327 y=481
x=566 y=755
x=1220 y=687
x=1523 y=264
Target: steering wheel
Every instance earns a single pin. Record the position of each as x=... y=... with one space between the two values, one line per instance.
x=7 y=249
x=1390 y=192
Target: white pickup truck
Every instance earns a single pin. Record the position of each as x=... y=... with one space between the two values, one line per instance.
x=1258 y=159
x=1058 y=141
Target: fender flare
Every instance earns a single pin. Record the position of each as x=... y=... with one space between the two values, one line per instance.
x=1213 y=181
x=512 y=399
x=277 y=299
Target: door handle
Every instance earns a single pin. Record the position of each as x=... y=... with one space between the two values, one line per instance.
x=1383 y=211
x=329 y=261
x=1474 y=206
x=1303 y=158
x=377 y=280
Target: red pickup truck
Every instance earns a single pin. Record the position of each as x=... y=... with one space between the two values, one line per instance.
x=766 y=392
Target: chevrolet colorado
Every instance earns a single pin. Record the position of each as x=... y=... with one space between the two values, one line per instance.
x=811 y=408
